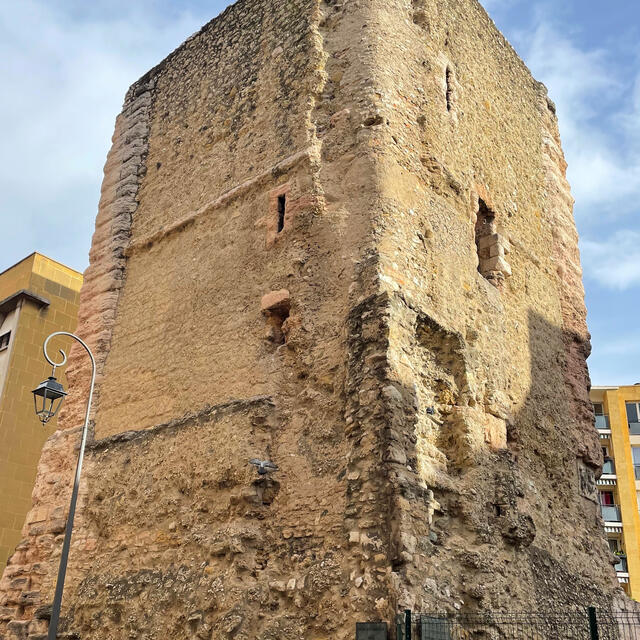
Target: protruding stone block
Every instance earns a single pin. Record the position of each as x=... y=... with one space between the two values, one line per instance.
x=495 y=240
x=275 y=301
x=495 y=432
x=497 y=263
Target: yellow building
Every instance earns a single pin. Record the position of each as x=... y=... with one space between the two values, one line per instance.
x=37 y=296
x=617 y=412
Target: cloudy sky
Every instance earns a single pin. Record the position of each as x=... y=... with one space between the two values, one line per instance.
x=67 y=64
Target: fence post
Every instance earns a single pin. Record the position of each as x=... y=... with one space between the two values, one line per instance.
x=399 y=626
x=407 y=624
x=593 y=623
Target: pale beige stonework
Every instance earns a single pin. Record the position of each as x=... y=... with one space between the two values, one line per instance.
x=418 y=378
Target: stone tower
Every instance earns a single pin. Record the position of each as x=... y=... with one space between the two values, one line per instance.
x=336 y=235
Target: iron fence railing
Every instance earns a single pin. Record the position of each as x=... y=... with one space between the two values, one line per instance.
x=587 y=624
x=617 y=625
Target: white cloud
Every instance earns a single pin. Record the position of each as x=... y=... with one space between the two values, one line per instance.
x=64 y=76
x=615 y=356
x=630 y=121
x=613 y=262
x=597 y=113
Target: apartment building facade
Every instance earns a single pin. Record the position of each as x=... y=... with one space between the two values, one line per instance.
x=617 y=412
x=37 y=297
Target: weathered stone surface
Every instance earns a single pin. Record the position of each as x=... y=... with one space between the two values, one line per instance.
x=276 y=301
x=432 y=432
x=496 y=263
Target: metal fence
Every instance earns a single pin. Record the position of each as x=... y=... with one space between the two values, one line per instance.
x=587 y=624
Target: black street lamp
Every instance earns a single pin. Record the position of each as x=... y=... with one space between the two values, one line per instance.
x=48 y=396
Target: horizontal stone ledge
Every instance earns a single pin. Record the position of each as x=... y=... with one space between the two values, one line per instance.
x=208 y=411
x=227 y=196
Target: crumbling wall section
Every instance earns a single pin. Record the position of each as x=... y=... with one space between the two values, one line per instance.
x=222 y=300
x=104 y=278
x=23 y=600
x=478 y=242
x=566 y=258
x=230 y=133
x=37 y=554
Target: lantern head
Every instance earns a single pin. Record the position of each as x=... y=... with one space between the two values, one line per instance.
x=48 y=397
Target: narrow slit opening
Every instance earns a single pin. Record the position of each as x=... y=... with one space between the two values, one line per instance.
x=449 y=80
x=282 y=204
x=277 y=324
x=485 y=226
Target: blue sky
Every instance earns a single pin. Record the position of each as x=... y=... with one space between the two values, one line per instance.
x=67 y=64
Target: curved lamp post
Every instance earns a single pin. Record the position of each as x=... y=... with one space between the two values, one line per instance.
x=48 y=397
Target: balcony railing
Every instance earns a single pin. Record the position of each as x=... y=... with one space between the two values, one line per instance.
x=634 y=428
x=611 y=513
x=602 y=422
x=621 y=566
x=609 y=468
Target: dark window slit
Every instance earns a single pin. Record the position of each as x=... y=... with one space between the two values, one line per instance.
x=282 y=204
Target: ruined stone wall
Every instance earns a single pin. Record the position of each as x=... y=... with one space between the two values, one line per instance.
x=406 y=340
x=25 y=588
x=479 y=260
x=233 y=336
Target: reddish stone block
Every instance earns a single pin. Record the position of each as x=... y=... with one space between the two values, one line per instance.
x=276 y=301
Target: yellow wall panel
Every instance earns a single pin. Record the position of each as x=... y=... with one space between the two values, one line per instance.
x=21 y=434
x=614 y=401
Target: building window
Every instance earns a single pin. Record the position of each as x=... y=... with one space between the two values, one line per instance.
x=606 y=498
x=485 y=229
x=608 y=467
x=602 y=419
x=608 y=507
x=491 y=246
x=633 y=418
x=4 y=340
x=617 y=549
x=635 y=451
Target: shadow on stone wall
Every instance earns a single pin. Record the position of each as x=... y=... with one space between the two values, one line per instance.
x=511 y=527
x=510 y=524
